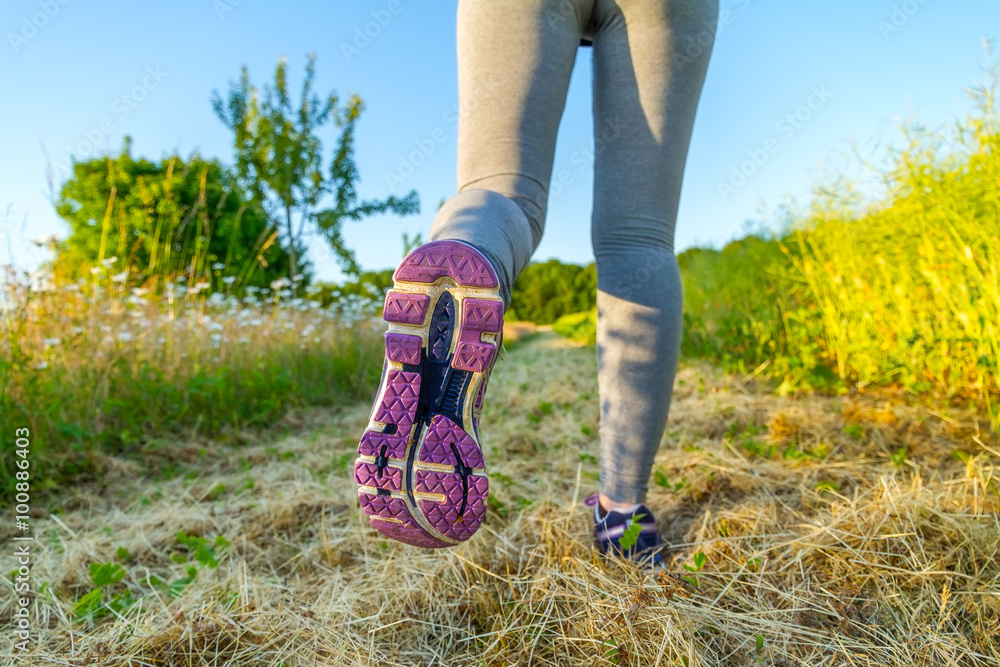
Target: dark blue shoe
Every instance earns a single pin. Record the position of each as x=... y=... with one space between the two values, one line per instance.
x=608 y=530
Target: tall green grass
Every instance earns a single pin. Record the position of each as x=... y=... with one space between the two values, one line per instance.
x=95 y=366
x=901 y=292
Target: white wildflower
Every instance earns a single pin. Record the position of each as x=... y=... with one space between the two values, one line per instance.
x=218 y=266
x=109 y=261
x=125 y=336
x=120 y=277
x=42 y=365
x=45 y=240
x=51 y=342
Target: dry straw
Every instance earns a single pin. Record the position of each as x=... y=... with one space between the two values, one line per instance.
x=824 y=545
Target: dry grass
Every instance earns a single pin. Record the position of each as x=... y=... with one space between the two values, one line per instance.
x=833 y=553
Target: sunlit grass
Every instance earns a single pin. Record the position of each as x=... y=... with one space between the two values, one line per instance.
x=94 y=367
x=824 y=531
x=903 y=292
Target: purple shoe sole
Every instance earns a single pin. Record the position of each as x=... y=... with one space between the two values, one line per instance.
x=420 y=470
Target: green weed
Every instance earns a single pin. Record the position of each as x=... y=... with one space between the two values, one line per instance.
x=699 y=560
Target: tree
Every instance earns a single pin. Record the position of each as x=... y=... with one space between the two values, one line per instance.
x=279 y=160
x=162 y=219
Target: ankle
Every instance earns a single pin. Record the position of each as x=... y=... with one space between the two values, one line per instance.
x=614 y=506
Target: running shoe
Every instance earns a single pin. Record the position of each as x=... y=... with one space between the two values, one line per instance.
x=609 y=528
x=420 y=466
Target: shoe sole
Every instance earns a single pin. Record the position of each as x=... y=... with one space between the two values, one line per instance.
x=420 y=467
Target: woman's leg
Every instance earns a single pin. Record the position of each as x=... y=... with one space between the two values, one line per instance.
x=515 y=58
x=650 y=59
x=420 y=469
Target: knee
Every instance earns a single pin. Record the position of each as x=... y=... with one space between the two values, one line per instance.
x=633 y=235
x=648 y=276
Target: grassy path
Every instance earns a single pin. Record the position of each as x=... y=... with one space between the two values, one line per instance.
x=834 y=531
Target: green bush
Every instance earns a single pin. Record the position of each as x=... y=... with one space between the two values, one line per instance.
x=154 y=222
x=546 y=291
x=900 y=292
x=365 y=293
x=580 y=327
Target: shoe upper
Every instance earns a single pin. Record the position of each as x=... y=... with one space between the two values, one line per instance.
x=608 y=530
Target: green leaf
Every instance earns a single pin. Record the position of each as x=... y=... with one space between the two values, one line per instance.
x=613 y=651
x=177 y=586
x=699 y=562
x=898 y=457
x=105 y=574
x=89 y=606
x=122 y=602
x=631 y=534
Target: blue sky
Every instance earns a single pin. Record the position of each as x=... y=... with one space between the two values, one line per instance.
x=65 y=66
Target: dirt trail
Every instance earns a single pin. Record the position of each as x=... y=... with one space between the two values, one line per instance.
x=818 y=535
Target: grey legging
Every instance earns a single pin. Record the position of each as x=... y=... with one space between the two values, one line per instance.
x=650 y=56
